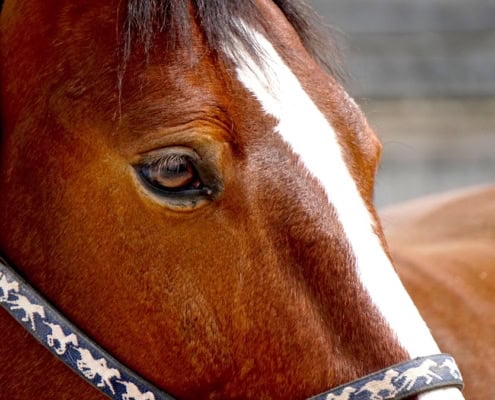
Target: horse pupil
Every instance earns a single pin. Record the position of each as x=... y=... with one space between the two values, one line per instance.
x=173 y=172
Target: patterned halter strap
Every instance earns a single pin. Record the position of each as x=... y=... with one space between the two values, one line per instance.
x=400 y=381
x=101 y=370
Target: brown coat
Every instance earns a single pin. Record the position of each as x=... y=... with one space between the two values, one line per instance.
x=444 y=249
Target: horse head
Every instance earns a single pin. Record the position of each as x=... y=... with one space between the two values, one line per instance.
x=191 y=183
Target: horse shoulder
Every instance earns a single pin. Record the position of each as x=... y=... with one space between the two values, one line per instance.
x=444 y=250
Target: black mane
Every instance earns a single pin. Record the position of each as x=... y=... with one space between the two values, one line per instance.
x=218 y=21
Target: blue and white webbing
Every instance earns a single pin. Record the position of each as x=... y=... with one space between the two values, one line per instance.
x=400 y=381
x=69 y=344
x=95 y=365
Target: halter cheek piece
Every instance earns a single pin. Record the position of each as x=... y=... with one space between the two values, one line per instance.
x=108 y=375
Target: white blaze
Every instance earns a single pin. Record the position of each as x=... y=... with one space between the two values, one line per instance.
x=308 y=133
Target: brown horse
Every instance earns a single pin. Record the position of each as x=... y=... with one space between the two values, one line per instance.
x=444 y=249
x=189 y=183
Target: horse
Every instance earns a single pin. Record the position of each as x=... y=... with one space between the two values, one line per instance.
x=189 y=183
x=449 y=239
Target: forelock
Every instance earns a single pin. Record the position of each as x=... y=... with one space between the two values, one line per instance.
x=219 y=22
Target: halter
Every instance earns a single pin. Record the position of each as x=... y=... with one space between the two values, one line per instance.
x=87 y=359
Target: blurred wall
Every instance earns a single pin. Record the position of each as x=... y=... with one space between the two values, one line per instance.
x=424 y=72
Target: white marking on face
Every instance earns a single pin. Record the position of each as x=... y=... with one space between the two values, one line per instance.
x=308 y=133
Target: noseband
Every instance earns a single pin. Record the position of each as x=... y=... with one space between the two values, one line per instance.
x=87 y=359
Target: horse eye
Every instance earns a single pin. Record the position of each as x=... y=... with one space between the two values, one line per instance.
x=171 y=173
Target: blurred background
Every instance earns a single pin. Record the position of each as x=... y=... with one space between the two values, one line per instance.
x=424 y=73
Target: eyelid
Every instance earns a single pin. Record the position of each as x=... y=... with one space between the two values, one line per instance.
x=157 y=155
